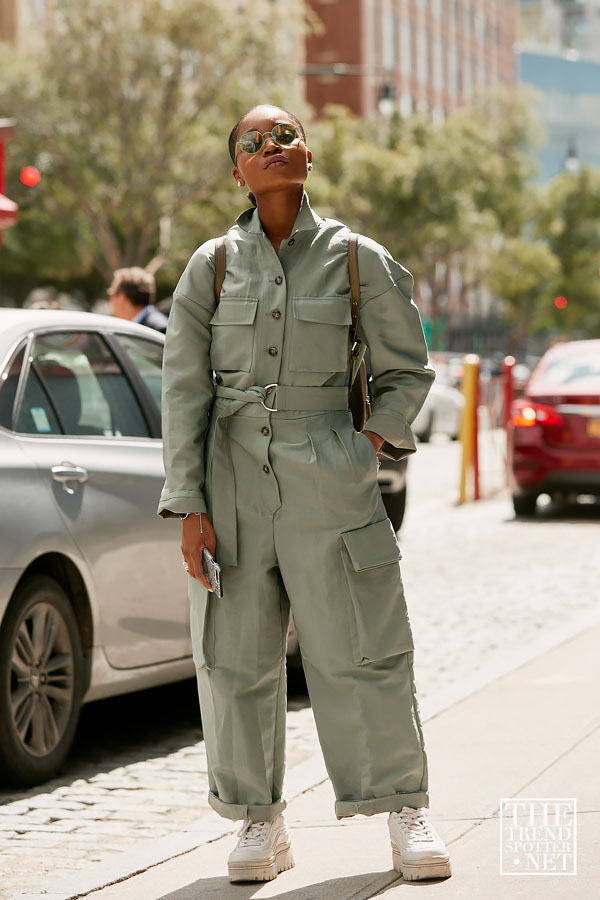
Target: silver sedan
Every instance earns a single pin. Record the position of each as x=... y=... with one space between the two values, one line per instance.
x=93 y=596
x=442 y=410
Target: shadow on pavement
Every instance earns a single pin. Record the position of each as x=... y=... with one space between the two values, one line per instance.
x=133 y=727
x=332 y=889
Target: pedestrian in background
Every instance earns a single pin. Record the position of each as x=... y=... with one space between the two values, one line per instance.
x=265 y=468
x=132 y=294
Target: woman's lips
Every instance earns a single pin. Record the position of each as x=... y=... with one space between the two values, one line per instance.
x=280 y=161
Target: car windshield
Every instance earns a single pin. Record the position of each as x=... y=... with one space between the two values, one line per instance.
x=576 y=369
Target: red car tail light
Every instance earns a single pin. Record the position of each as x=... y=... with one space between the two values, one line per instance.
x=525 y=414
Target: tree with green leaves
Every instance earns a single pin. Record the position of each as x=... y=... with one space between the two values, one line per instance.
x=524 y=273
x=439 y=195
x=125 y=109
x=568 y=220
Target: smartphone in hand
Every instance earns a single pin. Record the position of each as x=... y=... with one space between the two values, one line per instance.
x=212 y=571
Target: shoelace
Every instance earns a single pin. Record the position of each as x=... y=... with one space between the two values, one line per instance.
x=252 y=833
x=416 y=823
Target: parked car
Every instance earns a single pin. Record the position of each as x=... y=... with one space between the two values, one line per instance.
x=93 y=597
x=441 y=411
x=554 y=429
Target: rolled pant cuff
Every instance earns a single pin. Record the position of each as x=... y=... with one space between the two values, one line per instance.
x=245 y=811
x=393 y=803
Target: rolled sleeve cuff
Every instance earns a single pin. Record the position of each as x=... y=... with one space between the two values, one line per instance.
x=398 y=440
x=172 y=505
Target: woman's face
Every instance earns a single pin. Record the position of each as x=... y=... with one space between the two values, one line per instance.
x=274 y=167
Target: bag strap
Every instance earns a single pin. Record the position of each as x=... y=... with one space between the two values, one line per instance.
x=355 y=342
x=219 y=266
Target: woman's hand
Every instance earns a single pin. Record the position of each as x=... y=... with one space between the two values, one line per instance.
x=375 y=439
x=196 y=533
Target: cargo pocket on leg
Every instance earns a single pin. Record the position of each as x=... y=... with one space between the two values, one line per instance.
x=379 y=619
x=201 y=624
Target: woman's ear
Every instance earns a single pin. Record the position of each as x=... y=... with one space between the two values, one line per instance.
x=309 y=159
x=238 y=176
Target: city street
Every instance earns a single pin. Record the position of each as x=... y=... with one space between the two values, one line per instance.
x=204 y=207
x=483 y=590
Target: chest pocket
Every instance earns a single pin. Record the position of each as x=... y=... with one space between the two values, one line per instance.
x=232 y=341
x=319 y=334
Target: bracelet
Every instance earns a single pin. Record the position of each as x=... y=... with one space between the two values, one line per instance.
x=183 y=516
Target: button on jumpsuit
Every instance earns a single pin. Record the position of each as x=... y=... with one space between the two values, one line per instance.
x=258 y=435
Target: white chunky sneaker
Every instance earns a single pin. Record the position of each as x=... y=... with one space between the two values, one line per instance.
x=418 y=852
x=263 y=851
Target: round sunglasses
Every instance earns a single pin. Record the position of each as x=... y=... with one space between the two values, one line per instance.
x=282 y=133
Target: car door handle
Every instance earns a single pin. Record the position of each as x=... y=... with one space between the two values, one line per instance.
x=68 y=472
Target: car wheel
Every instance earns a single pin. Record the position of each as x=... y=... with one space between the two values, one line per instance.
x=524 y=504
x=41 y=682
x=395 y=506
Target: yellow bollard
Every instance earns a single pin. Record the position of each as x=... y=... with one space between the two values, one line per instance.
x=468 y=423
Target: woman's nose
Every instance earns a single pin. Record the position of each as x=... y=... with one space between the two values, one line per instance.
x=270 y=145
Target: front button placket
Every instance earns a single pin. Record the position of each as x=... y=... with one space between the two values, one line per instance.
x=269 y=369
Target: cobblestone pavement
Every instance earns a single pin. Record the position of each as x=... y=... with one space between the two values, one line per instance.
x=120 y=794
x=480 y=585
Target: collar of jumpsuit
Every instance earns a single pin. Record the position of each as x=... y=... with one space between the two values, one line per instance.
x=306 y=220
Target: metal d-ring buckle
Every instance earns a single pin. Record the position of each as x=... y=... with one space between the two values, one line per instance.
x=269 y=390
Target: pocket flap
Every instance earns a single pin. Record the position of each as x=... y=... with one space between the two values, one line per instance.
x=371 y=546
x=235 y=311
x=328 y=310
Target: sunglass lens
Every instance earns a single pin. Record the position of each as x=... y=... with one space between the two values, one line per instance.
x=284 y=134
x=251 y=141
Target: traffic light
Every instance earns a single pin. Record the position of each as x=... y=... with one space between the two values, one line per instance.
x=30 y=176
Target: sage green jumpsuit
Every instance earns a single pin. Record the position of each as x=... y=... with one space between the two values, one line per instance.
x=266 y=446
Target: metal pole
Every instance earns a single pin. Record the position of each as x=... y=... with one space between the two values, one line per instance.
x=508 y=394
x=468 y=426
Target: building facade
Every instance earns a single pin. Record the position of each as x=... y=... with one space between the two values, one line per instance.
x=418 y=54
x=568 y=106
x=21 y=21
x=559 y=55
x=561 y=25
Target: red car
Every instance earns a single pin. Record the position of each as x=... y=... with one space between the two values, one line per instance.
x=554 y=429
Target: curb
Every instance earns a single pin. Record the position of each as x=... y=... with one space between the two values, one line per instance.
x=299 y=780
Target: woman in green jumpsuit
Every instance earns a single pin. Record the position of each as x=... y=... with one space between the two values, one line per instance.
x=264 y=465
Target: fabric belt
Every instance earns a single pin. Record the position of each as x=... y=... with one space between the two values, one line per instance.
x=273 y=397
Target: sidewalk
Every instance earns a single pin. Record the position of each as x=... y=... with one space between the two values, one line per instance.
x=534 y=732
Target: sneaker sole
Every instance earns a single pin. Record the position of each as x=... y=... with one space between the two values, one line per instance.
x=280 y=862
x=423 y=869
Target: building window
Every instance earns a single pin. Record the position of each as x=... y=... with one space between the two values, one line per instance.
x=422 y=67
x=438 y=78
x=406 y=37
x=406 y=104
x=390 y=46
